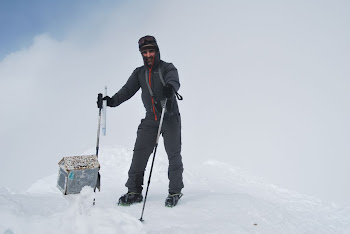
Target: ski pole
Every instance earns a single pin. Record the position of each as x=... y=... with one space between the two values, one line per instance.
x=98 y=182
x=154 y=155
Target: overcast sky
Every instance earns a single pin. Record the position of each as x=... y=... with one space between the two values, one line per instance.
x=265 y=85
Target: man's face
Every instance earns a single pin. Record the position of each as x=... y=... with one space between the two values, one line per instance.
x=149 y=56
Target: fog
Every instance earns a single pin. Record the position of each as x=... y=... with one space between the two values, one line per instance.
x=265 y=87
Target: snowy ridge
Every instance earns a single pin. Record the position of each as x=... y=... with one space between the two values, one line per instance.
x=218 y=198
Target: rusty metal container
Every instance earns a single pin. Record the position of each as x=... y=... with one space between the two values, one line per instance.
x=75 y=172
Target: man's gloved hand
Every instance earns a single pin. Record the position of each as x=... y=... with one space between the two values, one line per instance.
x=108 y=99
x=168 y=91
x=100 y=100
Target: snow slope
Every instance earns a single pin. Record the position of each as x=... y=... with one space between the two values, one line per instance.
x=218 y=198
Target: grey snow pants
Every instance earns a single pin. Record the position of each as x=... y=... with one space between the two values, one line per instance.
x=145 y=142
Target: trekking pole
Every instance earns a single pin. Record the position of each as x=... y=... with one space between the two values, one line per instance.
x=98 y=183
x=154 y=155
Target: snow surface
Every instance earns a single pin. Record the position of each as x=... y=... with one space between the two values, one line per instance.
x=218 y=198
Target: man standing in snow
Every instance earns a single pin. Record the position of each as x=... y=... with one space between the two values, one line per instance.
x=158 y=81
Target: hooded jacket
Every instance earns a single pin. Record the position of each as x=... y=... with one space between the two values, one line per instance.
x=138 y=80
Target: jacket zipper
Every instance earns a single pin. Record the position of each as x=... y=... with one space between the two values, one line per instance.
x=150 y=85
x=149 y=80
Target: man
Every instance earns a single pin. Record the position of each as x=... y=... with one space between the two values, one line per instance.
x=158 y=81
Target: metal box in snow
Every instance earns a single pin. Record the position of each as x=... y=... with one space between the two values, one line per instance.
x=75 y=172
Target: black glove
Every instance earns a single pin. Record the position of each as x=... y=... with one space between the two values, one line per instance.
x=168 y=91
x=108 y=99
x=99 y=101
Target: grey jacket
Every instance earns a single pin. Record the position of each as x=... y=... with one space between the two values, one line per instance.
x=138 y=80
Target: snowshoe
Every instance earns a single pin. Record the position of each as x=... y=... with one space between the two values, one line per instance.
x=130 y=198
x=173 y=199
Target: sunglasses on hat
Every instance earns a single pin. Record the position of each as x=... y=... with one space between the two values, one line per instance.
x=146 y=39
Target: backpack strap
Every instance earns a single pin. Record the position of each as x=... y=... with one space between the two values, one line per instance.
x=149 y=87
x=161 y=76
x=161 y=79
x=178 y=96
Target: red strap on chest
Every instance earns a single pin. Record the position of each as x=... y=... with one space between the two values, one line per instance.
x=149 y=81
